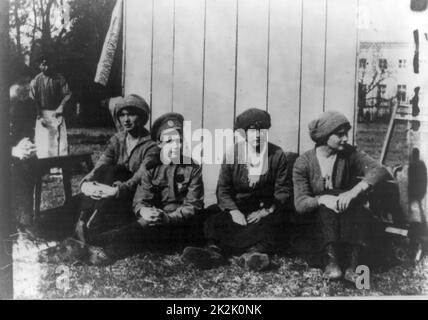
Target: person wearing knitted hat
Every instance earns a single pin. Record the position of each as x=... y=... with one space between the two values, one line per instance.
x=254 y=196
x=326 y=185
x=110 y=186
x=167 y=201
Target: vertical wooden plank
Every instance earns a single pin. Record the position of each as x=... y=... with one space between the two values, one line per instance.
x=312 y=82
x=252 y=54
x=188 y=60
x=341 y=55
x=219 y=79
x=163 y=28
x=138 y=47
x=284 y=72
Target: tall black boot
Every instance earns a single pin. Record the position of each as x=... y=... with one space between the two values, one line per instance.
x=209 y=256
x=332 y=270
x=120 y=241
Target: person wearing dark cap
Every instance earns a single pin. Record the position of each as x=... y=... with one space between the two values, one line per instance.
x=254 y=195
x=169 y=125
x=109 y=188
x=326 y=184
x=169 y=196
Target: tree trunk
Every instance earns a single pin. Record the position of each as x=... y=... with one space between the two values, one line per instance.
x=6 y=279
x=17 y=27
x=46 y=25
x=33 y=35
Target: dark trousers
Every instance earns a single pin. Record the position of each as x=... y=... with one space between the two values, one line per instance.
x=23 y=181
x=107 y=214
x=220 y=228
x=116 y=228
x=132 y=237
x=351 y=227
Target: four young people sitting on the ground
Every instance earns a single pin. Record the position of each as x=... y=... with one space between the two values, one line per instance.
x=143 y=191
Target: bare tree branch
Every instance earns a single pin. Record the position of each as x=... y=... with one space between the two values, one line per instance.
x=17 y=26
x=35 y=21
x=35 y=27
x=42 y=10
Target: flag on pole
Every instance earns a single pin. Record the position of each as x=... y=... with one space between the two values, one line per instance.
x=110 y=44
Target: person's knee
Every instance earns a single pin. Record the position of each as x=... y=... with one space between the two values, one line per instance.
x=326 y=214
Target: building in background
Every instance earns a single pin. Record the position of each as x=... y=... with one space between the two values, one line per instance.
x=385 y=71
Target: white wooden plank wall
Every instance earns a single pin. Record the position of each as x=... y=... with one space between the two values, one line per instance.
x=284 y=72
x=340 y=65
x=212 y=59
x=163 y=44
x=219 y=93
x=138 y=49
x=313 y=67
x=252 y=68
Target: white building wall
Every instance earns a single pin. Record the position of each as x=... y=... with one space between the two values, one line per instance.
x=211 y=60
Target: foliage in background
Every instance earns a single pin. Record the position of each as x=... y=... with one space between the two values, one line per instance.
x=73 y=32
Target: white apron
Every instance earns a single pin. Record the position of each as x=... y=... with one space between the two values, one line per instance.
x=51 y=140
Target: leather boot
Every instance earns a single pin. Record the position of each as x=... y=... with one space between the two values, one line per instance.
x=97 y=256
x=332 y=270
x=80 y=230
x=260 y=248
x=207 y=257
x=254 y=261
x=350 y=273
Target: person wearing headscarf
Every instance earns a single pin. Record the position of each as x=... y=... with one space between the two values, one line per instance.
x=330 y=181
x=254 y=195
x=169 y=196
x=109 y=188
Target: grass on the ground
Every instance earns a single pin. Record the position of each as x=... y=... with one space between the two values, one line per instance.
x=155 y=274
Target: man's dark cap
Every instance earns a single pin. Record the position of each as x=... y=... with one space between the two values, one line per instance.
x=171 y=120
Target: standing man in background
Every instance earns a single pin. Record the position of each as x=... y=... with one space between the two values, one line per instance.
x=50 y=91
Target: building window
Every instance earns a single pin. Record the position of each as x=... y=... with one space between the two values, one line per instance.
x=363 y=63
x=401 y=92
x=383 y=64
x=382 y=90
x=402 y=63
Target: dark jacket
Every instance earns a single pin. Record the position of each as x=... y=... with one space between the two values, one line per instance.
x=350 y=166
x=177 y=189
x=144 y=153
x=22 y=119
x=275 y=186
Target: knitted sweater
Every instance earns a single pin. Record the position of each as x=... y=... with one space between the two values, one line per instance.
x=144 y=153
x=351 y=165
